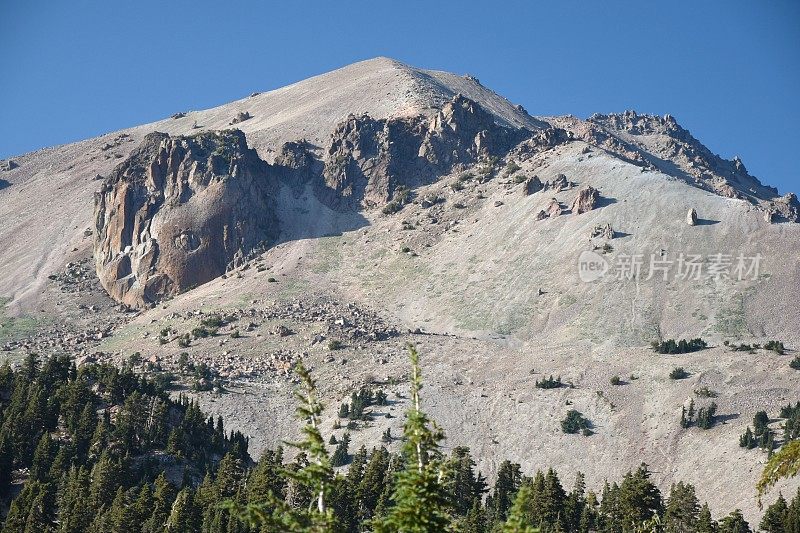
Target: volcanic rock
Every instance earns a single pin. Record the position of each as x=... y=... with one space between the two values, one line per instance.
x=180 y=212
x=585 y=201
x=691 y=217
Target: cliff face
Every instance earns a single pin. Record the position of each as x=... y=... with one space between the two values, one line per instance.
x=368 y=160
x=178 y=212
x=182 y=210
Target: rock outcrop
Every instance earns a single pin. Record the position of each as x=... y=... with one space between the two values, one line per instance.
x=241 y=116
x=179 y=212
x=552 y=210
x=560 y=183
x=586 y=200
x=532 y=186
x=784 y=209
x=691 y=217
x=602 y=231
x=8 y=164
x=368 y=160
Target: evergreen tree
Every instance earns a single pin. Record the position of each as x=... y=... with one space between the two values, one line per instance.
x=706 y=524
x=509 y=480
x=774 y=519
x=639 y=498
x=575 y=503
x=682 y=509
x=419 y=499
x=340 y=455
x=734 y=523
x=519 y=519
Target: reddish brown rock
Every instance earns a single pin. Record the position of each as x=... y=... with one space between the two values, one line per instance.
x=586 y=200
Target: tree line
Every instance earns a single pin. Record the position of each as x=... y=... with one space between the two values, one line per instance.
x=101 y=449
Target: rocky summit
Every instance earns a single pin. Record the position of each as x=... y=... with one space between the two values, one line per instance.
x=533 y=260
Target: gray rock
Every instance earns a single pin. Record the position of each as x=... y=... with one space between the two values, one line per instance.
x=532 y=185
x=691 y=217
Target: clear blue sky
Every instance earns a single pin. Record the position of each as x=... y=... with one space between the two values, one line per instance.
x=728 y=70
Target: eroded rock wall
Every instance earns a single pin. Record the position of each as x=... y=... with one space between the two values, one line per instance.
x=179 y=212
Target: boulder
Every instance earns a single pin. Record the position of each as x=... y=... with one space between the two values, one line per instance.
x=532 y=186
x=602 y=231
x=560 y=183
x=8 y=164
x=179 y=212
x=586 y=200
x=553 y=209
x=691 y=217
x=241 y=116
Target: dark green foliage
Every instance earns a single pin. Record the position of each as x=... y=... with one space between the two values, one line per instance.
x=616 y=380
x=682 y=346
x=760 y=421
x=341 y=456
x=774 y=519
x=575 y=422
x=734 y=523
x=549 y=383
x=335 y=344
x=706 y=416
x=705 y=392
x=775 y=346
x=795 y=363
x=419 y=501
x=678 y=373
x=791 y=427
x=682 y=509
x=748 y=440
x=91 y=471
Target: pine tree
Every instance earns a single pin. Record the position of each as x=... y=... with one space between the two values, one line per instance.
x=774 y=517
x=575 y=503
x=519 y=519
x=42 y=457
x=509 y=479
x=639 y=498
x=462 y=483
x=341 y=455
x=706 y=524
x=747 y=440
x=476 y=520
x=419 y=498
x=682 y=509
x=734 y=523
x=760 y=422
x=183 y=515
x=374 y=483
x=163 y=497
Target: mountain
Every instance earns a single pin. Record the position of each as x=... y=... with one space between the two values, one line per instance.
x=343 y=216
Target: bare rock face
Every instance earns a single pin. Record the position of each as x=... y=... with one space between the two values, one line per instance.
x=784 y=209
x=8 y=164
x=532 y=186
x=585 y=201
x=368 y=159
x=179 y=212
x=691 y=217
